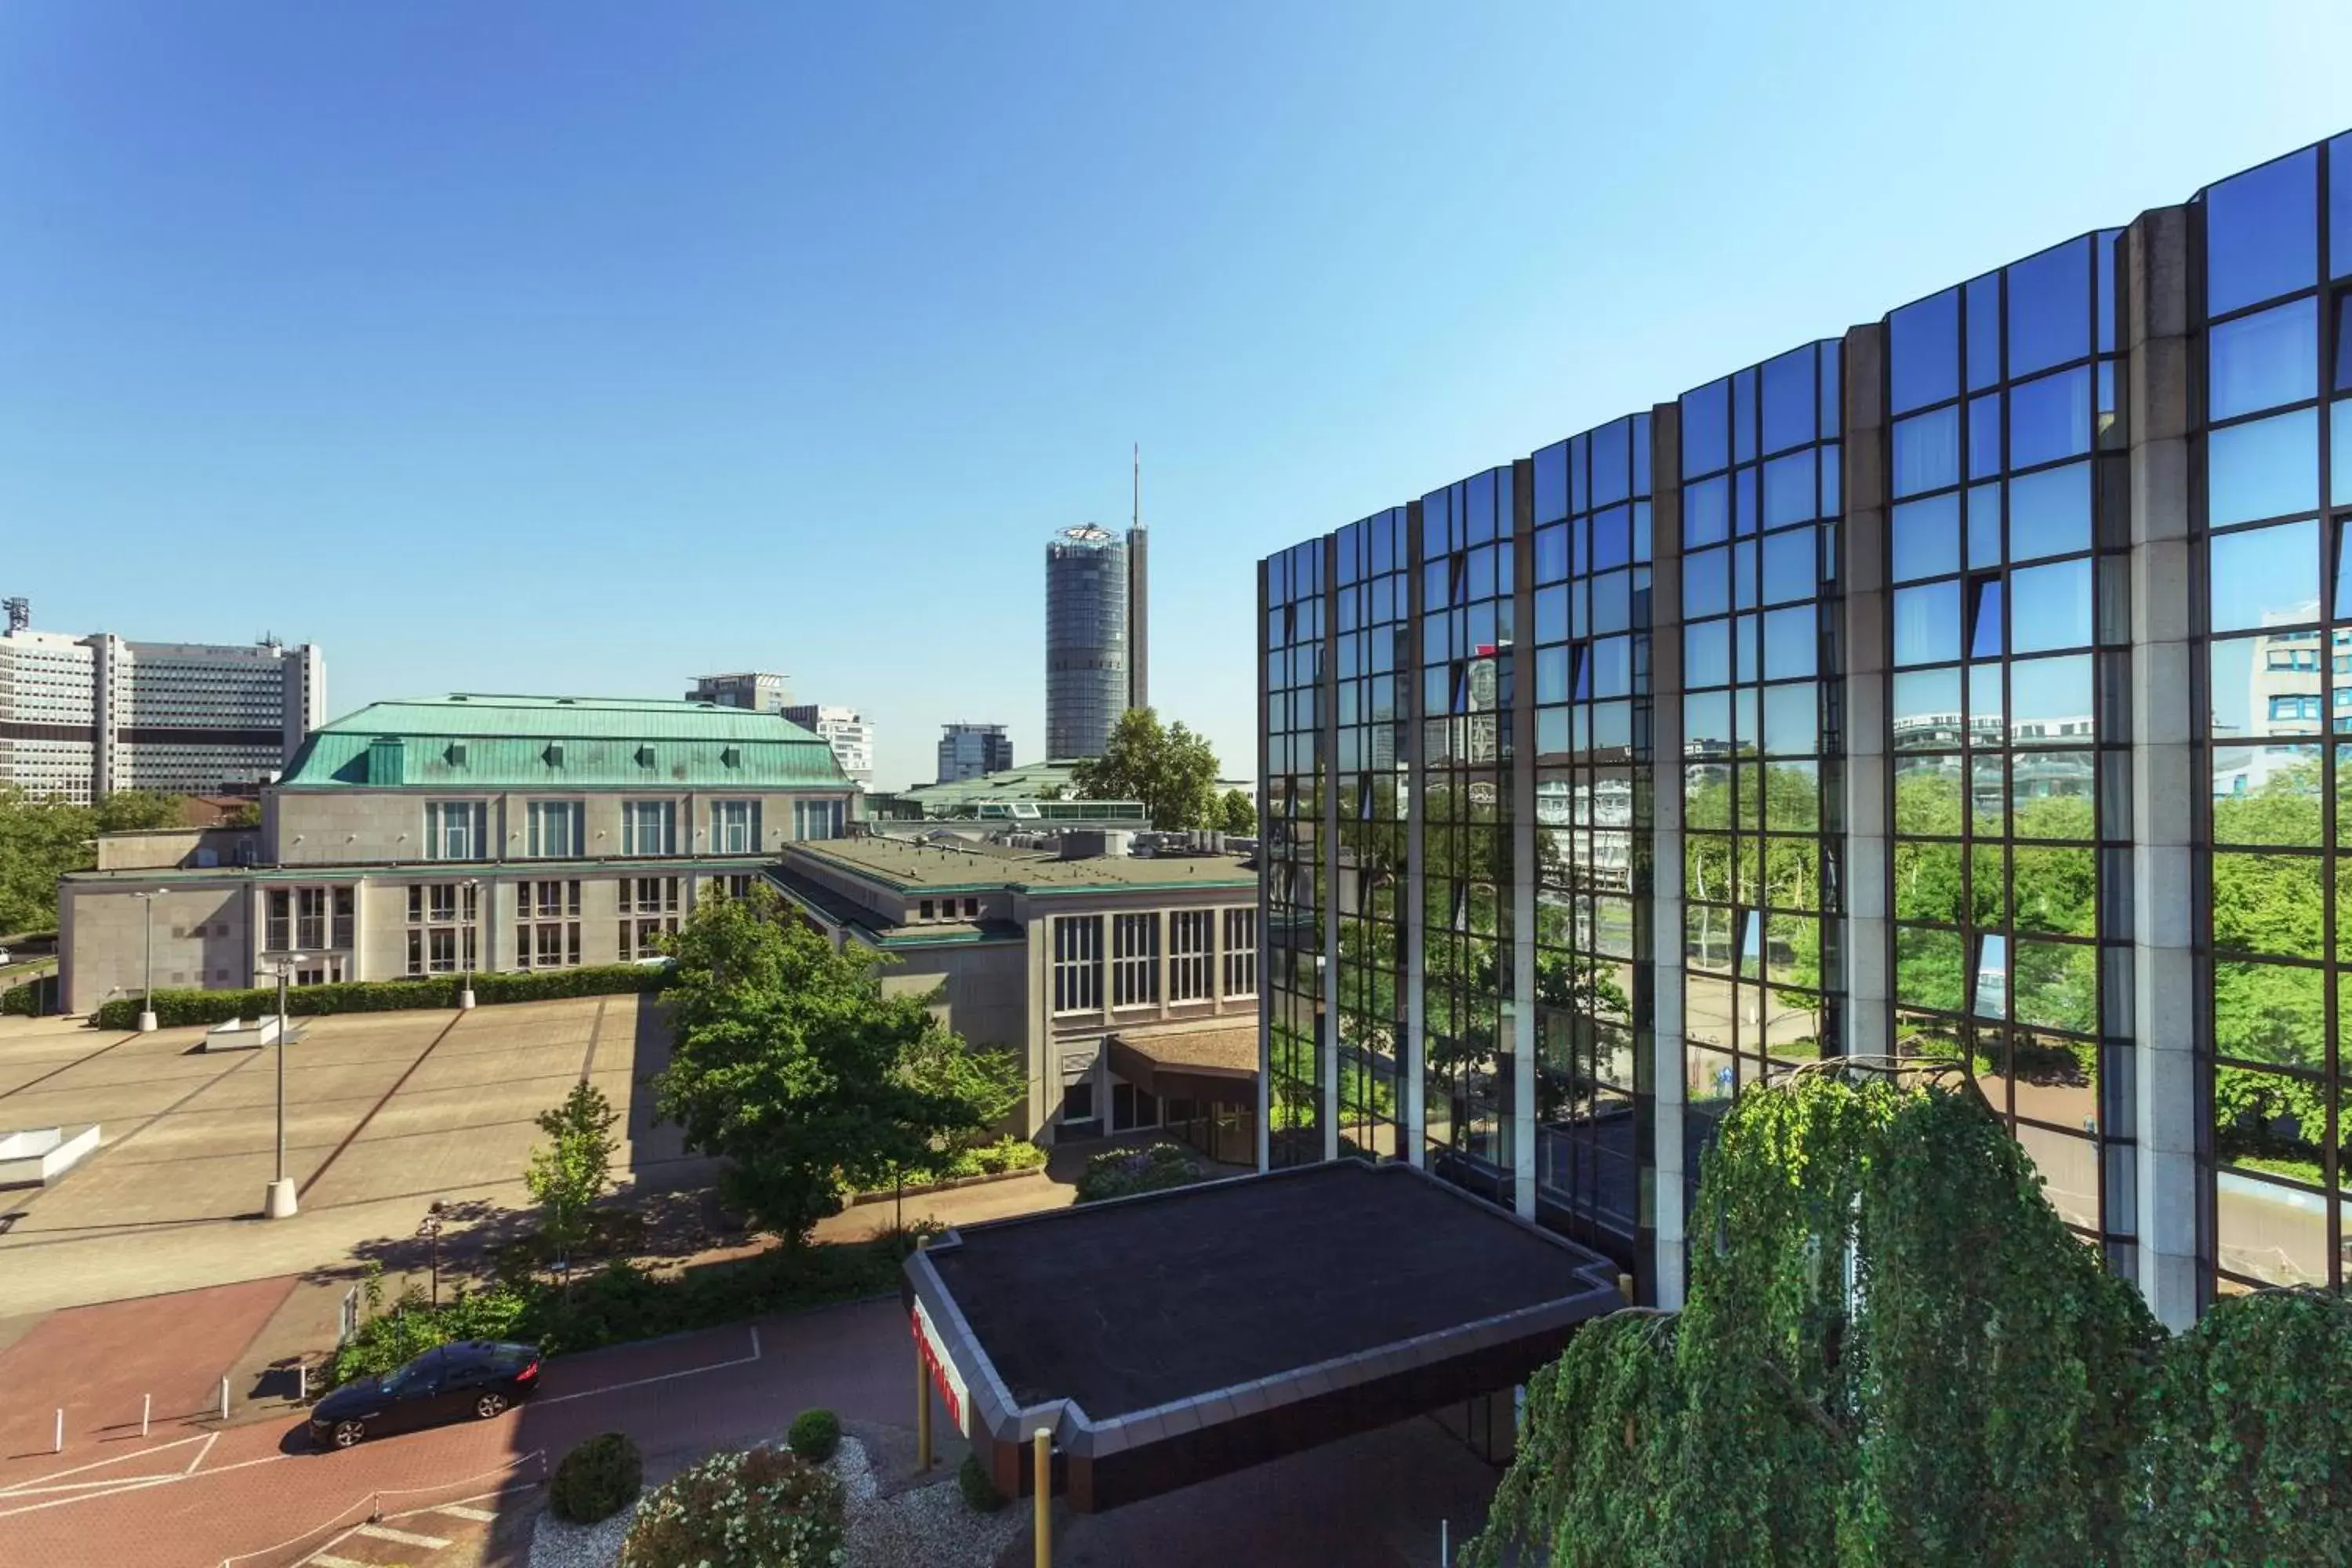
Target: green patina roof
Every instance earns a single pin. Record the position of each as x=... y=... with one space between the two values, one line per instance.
x=561 y=743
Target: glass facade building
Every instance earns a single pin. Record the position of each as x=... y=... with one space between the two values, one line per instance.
x=1975 y=687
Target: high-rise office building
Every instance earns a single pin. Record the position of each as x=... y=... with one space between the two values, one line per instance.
x=973 y=750
x=846 y=730
x=761 y=693
x=84 y=717
x=1960 y=687
x=1088 y=681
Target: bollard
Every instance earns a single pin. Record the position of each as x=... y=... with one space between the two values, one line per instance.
x=146 y=1408
x=302 y=1383
x=1444 y=1544
x=62 y=1433
x=224 y=1399
x=922 y=1390
x=1042 y=1445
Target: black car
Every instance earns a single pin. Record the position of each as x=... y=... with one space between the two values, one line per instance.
x=475 y=1377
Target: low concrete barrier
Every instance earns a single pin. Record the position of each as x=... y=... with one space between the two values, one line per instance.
x=236 y=1034
x=37 y=1156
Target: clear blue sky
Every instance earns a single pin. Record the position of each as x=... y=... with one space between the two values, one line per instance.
x=571 y=347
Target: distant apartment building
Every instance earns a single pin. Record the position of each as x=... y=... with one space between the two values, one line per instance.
x=83 y=717
x=973 y=750
x=846 y=730
x=458 y=833
x=761 y=693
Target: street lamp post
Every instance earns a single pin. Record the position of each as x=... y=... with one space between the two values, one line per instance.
x=430 y=1229
x=470 y=936
x=147 y=992
x=278 y=1202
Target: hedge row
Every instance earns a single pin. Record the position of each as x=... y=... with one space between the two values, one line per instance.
x=177 y=1007
x=23 y=1000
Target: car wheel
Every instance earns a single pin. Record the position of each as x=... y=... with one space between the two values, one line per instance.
x=347 y=1433
x=489 y=1404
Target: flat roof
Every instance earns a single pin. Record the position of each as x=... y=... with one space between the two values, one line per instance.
x=913 y=867
x=1182 y=1334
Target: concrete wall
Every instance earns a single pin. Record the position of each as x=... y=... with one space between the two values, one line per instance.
x=176 y=847
x=203 y=937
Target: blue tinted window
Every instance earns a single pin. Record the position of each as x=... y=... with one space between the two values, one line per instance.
x=2050 y=308
x=1928 y=623
x=1706 y=720
x=2340 y=421
x=1984 y=331
x=1984 y=618
x=1789 y=489
x=1743 y=416
x=1611 y=462
x=1580 y=469
x=1984 y=436
x=2262 y=233
x=2264 y=360
x=1707 y=511
x=1351 y=544
x=1746 y=660
x=1743 y=510
x=1552 y=553
x=1432 y=525
x=1707 y=582
x=2343 y=585
x=1791 y=720
x=1551 y=614
x=1984 y=525
x=1551 y=674
x=1612 y=539
x=2053 y=605
x=1791 y=643
x=2104 y=272
x=1923 y=347
x=2047 y=692
x=1832 y=362
x=1788 y=567
x=1789 y=401
x=1612 y=667
x=1743 y=575
x=1831 y=479
x=1481 y=508
x=2049 y=513
x=1641 y=454
x=1706 y=428
x=2339 y=206
x=1706 y=653
x=1922 y=701
x=2265 y=576
x=1927 y=538
x=2266 y=467
x=2342 y=380
x=2050 y=418
x=1551 y=482
x=1928 y=451
x=1506 y=512
x=1612 y=602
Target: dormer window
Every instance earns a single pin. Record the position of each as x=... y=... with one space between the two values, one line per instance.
x=456 y=753
x=732 y=756
x=554 y=756
x=644 y=757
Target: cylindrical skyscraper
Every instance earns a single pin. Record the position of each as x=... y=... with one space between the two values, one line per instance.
x=1087 y=642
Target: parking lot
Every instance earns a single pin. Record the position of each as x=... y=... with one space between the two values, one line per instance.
x=383 y=1113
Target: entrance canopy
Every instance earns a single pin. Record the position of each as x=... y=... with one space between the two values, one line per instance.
x=1173 y=1337
x=1215 y=1065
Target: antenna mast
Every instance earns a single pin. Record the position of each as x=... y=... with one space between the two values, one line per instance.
x=1135 y=519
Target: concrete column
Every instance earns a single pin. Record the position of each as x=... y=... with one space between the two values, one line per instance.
x=1869 y=945
x=1044 y=1057
x=1326 y=852
x=1265 y=838
x=1661 y=1215
x=1410 y=1067
x=1523 y=840
x=2167 y=777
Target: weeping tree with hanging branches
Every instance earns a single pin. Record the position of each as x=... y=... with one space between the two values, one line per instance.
x=1892 y=1352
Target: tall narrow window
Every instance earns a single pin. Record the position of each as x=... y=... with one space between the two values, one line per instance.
x=1135 y=955
x=1240 y=953
x=1077 y=963
x=1191 y=955
x=557 y=829
x=453 y=831
x=281 y=920
x=648 y=827
x=734 y=827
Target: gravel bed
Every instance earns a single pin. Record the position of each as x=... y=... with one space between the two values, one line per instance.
x=929 y=1524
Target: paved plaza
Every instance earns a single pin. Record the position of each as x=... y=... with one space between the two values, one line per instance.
x=385 y=1112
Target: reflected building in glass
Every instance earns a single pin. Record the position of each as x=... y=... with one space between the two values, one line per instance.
x=1967 y=688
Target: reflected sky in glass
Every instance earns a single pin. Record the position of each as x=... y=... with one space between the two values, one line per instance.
x=2262 y=360
x=1927 y=538
x=2050 y=418
x=2264 y=576
x=2262 y=233
x=2050 y=308
x=1923 y=350
x=2267 y=467
x=2049 y=513
x=2052 y=606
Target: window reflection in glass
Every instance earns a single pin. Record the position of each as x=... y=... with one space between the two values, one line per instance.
x=2049 y=308
x=1926 y=537
x=2262 y=233
x=2264 y=360
x=1923 y=350
x=2050 y=418
x=2049 y=513
x=1928 y=451
x=2264 y=576
x=1928 y=623
x=2052 y=608
x=2266 y=467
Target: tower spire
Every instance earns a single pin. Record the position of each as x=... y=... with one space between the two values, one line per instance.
x=1134 y=519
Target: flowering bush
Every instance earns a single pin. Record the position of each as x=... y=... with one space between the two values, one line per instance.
x=1122 y=1172
x=762 y=1508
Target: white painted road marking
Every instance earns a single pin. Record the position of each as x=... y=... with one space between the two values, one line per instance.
x=400 y=1537
x=458 y=1510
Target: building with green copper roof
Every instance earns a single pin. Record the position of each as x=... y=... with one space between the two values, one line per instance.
x=469 y=831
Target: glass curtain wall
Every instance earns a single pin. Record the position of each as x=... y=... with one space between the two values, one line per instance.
x=2009 y=644
x=1292 y=860
x=1468 y=567
x=1591 y=558
x=1761 y=772
x=2276 y=404
x=1375 y=673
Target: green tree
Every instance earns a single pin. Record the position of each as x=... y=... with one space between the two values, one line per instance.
x=988 y=1085
x=1172 y=771
x=41 y=840
x=140 y=810
x=1236 y=814
x=248 y=815
x=792 y=1065
x=568 y=1175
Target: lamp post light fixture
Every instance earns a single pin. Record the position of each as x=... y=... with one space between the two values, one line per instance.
x=430 y=1229
x=147 y=992
x=278 y=1202
x=473 y=927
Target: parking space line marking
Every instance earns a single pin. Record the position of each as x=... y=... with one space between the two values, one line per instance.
x=328 y=1560
x=210 y=1439
x=462 y=1510
x=400 y=1537
x=659 y=1377
x=95 y=1464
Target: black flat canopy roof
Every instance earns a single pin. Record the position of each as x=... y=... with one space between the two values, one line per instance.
x=1179 y=1335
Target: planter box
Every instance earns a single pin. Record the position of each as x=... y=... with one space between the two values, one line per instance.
x=886 y=1194
x=236 y=1034
x=39 y=1156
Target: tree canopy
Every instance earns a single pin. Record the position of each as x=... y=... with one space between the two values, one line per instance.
x=41 y=840
x=1171 y=770
x=1236 y=814
x=792 y=1065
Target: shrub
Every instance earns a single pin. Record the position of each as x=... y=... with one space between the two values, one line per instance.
x=174 y=1008
x=1123 y=1172
x=815 y=1434
x=762 y=1508
x=412 y=1327
x=1008 y=1155
x=977 y=1488
x=19 y=999
x=597 y=1479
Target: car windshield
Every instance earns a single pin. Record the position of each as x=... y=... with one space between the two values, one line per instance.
x=409 y=1378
